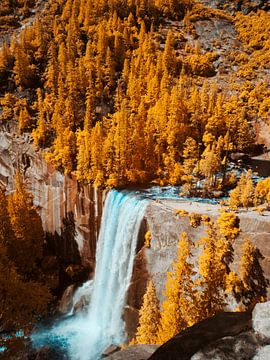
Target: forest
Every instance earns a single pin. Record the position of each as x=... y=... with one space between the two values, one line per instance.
x=12 y=12
x=113 y=94
x=123 y=94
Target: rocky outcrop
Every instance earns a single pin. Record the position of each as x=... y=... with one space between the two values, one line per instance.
x=252 y=344
x=70 y=212
x=166 y=227
x=261 y=321
x=165 y=234
x=238 y=5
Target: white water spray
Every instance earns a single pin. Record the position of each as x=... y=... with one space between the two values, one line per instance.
x=88 y=334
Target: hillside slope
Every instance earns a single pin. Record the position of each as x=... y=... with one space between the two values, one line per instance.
x=137 y=91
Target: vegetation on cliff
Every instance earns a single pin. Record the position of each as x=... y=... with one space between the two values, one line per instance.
x=201 y=286
x=117 y=94
x=25 y=290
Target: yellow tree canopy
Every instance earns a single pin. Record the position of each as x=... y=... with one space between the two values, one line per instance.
x=149 y=317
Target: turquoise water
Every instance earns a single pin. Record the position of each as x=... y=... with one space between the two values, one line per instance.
x=86 y=335
x=6 y=337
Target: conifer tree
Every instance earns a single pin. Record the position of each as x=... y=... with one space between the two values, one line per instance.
x=262 y=192
x=214 y=261
x=190 y=165
x=6 y=232
x=21 y=301
x=22 y=68
x=24 y=119
x=253 y=281
x=149 y=317
x=27 y=228
x=210 y=164
x=247 y=191
x=243 y=194
x=169 y=57
x=228 y=225
x=179 y=306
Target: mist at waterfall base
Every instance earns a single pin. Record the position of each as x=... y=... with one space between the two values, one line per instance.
x=86 y=335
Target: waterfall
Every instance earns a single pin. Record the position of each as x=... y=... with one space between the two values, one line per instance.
x=86 y=335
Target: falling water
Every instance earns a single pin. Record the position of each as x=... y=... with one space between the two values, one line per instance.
x=82 y=295
x=86 y=335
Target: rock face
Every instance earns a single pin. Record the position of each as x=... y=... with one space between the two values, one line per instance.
x=166 y=227
x=71 y=213
x=165 y=234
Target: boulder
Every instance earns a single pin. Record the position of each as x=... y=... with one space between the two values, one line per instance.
x=184 y=345
x=240 y=347
x=261 y=320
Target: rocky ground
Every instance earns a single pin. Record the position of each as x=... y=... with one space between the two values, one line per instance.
x=6 y=35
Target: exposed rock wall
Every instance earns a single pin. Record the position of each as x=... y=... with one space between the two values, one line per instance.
x=165 y=233
x=65 y=206
x=166 y=227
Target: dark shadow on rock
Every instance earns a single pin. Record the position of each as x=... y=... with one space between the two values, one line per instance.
x=64 y=246
x=138 y=284
x=195 y=338
x=65 y=249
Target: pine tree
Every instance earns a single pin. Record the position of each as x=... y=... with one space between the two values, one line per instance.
x=254 y=283
x=24 y=72
x=24 y=119
x=169 y=57
x=6 y=232
x=27 y=228
x=190 y=166
x=179 y=307
x=210 y=164
x=21 y=301
x=262 y=192
x=243 y=194
x=149 y=317
x=247 y=191
x=229 y=225
x=214 y=261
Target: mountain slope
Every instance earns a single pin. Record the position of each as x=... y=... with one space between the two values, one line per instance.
x=120 y=92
